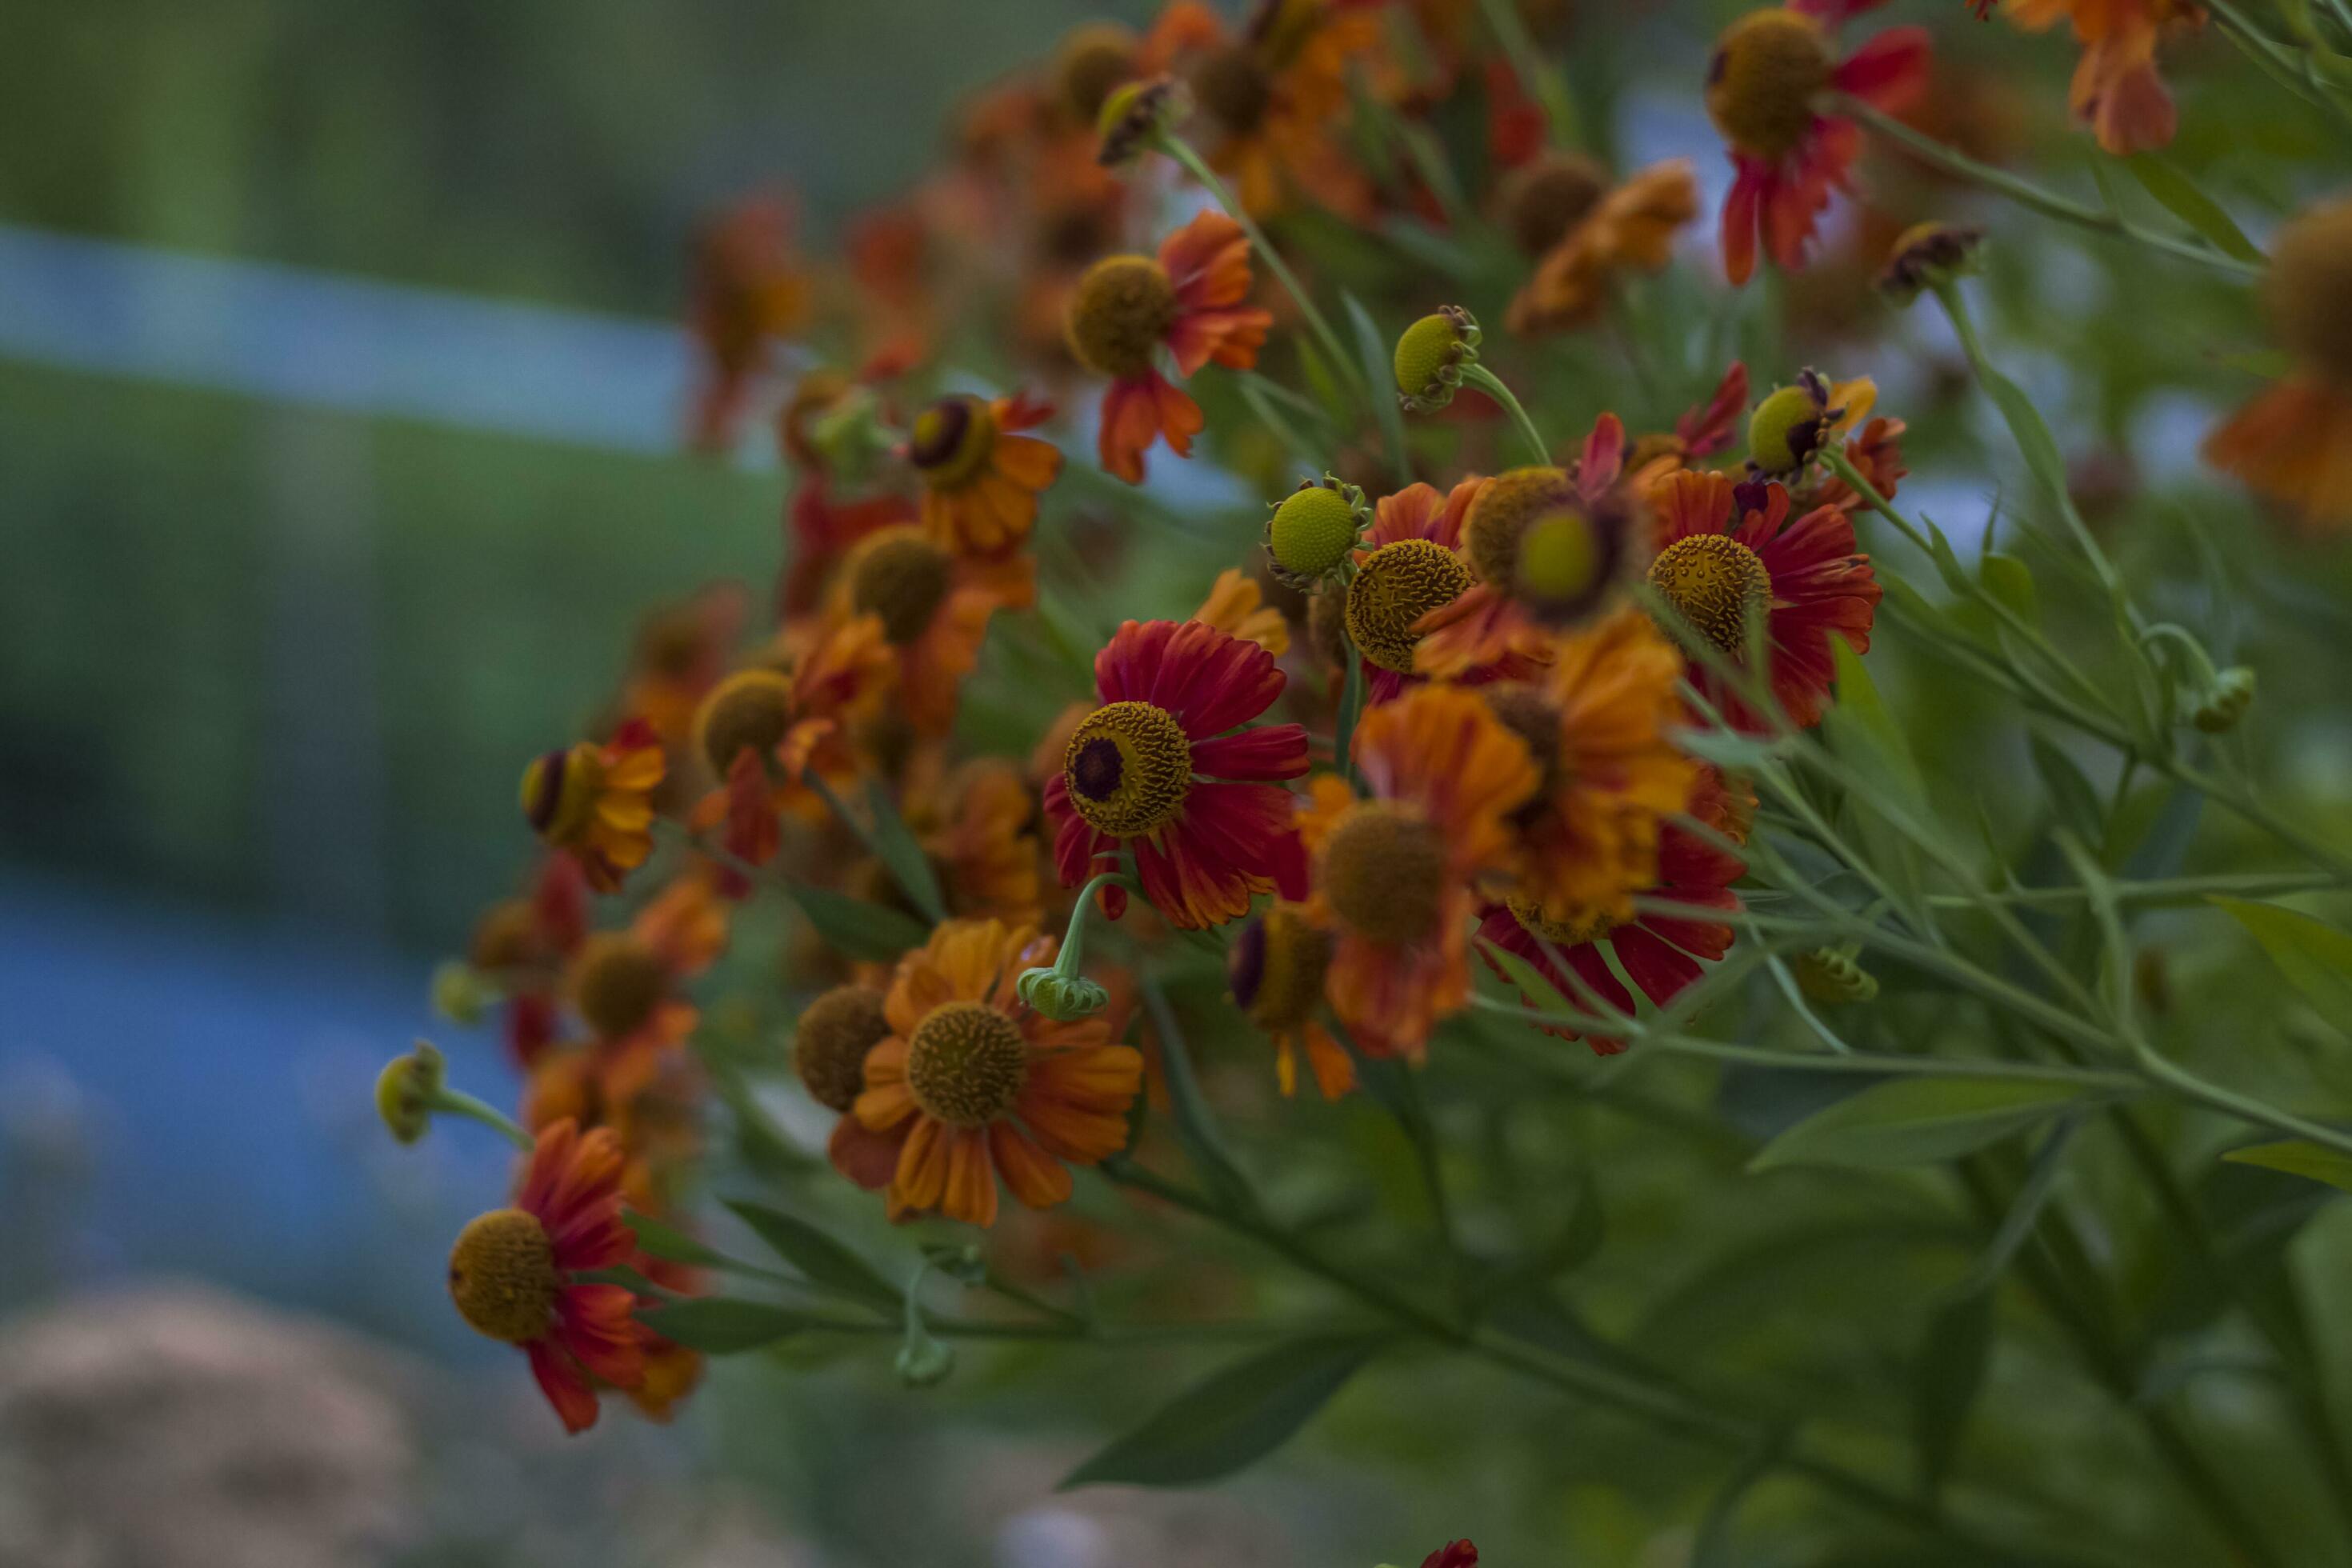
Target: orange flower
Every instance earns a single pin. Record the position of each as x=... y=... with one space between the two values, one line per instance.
x=1626 y=229
x=934 y=609
x=514 y=1272
x=597 y=801
x=749 y=289
x=1271 y=92
x=628 y=986
x=984 y=1086
x=1189 y=301
x=2116 y=91
x=1597 y=726
x=680 y=654
x=2294 y=443
x=981 y=478
x=975 y=822
x=1766 y=70
x=1415 y=564
x=1396 y=876
x=1236 y=606
x=1275 y=971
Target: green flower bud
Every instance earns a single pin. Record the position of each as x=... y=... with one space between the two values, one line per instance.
x=1926 y=255
x=406 y=1090
x=460 y=994
x=1430 y=357
x=1830 y=975
x=924 y=1362
x=1314 y=530
x=1064 y=998
x=2225 y=701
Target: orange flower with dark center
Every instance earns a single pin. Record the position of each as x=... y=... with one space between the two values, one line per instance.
x=1396 y=875
x=597 y=801
x=1767 y=68
x=2294 y=443
x=1661 y=951
x=934 y=608
x=980 y=477
x=1804 y=577
x=1414 y=563
x=2116 y=91
x=981 y=1087
x=1625 y=229
x=749 y=290
x=514 y=1273
x=1187 y=300
x=1168 y=767
x=1274 y=970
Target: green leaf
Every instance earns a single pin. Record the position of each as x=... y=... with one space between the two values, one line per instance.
x=655 y=1239
x=2314 y=955
x=728 y=1325
x=824 y=1261
x=2027 y=428
x=2298 y=1157
x=1946 y=1377
x=2168 y=185
x=2076 y=802
x=908 y=864
x=2008 y=580
x=1234 y=1420
x=1541 y=993
x=856 y=929
x=1377 y=355
x=1917 y=1121
x=1870 y=719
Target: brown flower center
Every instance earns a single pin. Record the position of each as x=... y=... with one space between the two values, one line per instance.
x=616 y=983
x=1397 y=585
x=1384 y=873
x=902 y=577
x=830 y=1042
x=1529 y=913
x=1095 y=59
x=1717 y=582
x=1506 y=508
x=751 y=708
x=2309 y=290
x=1526 y=712
x=1761 y=81
x=1234 y=88
x=1128 y=766
x=966 y=1064
x=1543 y=200
x=503 y=1276
x=951 y=439
x=1275 y=968
x=1119 y=312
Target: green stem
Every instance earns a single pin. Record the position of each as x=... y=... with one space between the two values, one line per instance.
x=1487 y=382
x=457 y=1102
x=1343 y=363
x=2028 y=195
x=1510 y=30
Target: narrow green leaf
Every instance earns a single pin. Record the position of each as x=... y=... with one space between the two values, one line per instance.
x=904 y=858
x=1730 y=751
x=2077 y=804
x=1917 y=1121
x=2180 y=196
x=823 y=1260
x=1540 y=992
x=856 y=929
x=1712 y=1545
x=1233 y=1420
x=728 y=1325
x=1376 y=354
x=2314 y=955
x=1352 y=708
x=655 y=1239
x=2008 y=580
x=2027 y=428
x=1858 y=699
x=1946 y=1377
x=2298 y=1158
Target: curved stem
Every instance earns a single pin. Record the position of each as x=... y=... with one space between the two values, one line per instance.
x=457 y=1102
x=1487 y=382
x=2025 y=194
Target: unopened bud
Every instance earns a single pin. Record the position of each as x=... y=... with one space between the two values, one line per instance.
x=406 y=1090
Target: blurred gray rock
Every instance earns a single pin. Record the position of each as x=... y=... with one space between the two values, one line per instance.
x=173 y=1426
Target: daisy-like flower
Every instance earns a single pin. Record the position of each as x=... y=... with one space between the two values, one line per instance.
x=1275 y=972
x=934 y=606
x=830 y=1043
x=1270 y=92
x=1661 y=952
x=1597 y=725
x=2116 y=91
x=520 y=944
x=981 y=475
x=762 y=730
x=681 y=651
x=2294 y=443
x=1236 y=606
x=1547 y=547
x=1189 y=301
x=1585 y=233
x=981 y=1085
x=1153 y=769
x=628 y=987
x=828 y=512
x=1768 y=69
x=1414 y=563
x=514 y=1273
x=596 y=800
x=1701 y=432
x=749 y=289
x=1727 y=552
x=1397 y=877
x=974 y=822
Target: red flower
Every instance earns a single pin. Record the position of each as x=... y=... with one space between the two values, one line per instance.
x=1452 y=1554
x=1805 y=576
x=1766 y=70
x=1154 y=770
x=514 y=1272
x=1126 y=308
x=1660 y=952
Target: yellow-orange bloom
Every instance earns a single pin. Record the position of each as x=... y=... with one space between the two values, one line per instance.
x=2294 y=443
x=1629 y=229
x=980 y=477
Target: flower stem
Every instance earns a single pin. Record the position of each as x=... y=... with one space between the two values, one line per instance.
x=2028 y=195
x=1487 y=382
x=457 y=1102
x=1510 y=30
x=1343 y=363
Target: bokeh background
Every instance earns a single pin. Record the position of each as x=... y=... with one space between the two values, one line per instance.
x=341 y=415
